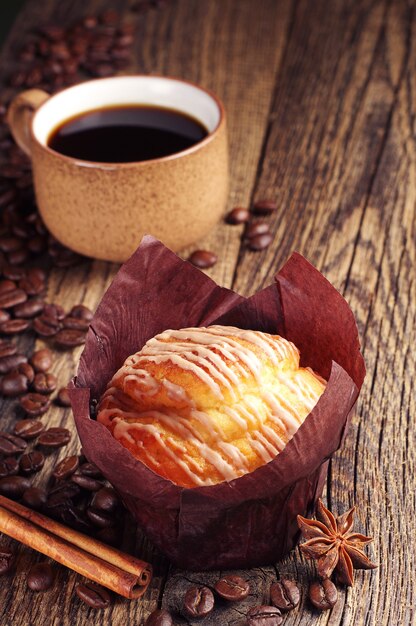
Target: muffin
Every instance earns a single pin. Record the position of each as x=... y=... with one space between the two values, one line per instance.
x=202 y=405
x=249 y=520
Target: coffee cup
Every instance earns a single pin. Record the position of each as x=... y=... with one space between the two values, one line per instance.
x=102 y=209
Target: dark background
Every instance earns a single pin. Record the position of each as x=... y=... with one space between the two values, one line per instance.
x=8 y=11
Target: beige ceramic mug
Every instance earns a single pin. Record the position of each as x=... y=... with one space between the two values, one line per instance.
x=102 y=210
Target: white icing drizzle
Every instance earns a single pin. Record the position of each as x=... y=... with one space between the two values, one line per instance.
x=217 y=357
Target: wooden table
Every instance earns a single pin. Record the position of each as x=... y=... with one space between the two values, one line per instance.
x=320 y=101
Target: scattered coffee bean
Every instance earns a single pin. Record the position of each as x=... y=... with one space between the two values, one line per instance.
x=203 y=259
x=13 y=384
x=105 y=499
x=239 y=215
x=27 y=371
x=100 y=518
x=9 y=363
x=160 y=617
x=45 y=383
x=109 y=535
x=65 y=468
x=9 y=467
x=89 y=469
x=75 y=323
x=198 y=602
x=256 y=228
x=62 y=399
x=54 y=437
x=264 y=207
x=46 y=326
x=28 y=428
x=232 y=588
x=6 y=286
x=10 y=444
x=34 y=497
x=14 y=486
x=4 y=315
x=9 y=299
x=285 y=594
x=94 y=595
x=40 y=577
x=62 y=492
x=323 y=594
x=81 y=312
x=7 y=348
x=33 y=284
x=42 y=360
x=69 y=338
x=35 y=404
x=29 y=309
x=264 y=616
x=86 y=482
x=7 y=559
x=32 y=462
x=260 y=242
x=14 y=327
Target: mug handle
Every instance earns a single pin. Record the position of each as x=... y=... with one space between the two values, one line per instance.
x=20 y=114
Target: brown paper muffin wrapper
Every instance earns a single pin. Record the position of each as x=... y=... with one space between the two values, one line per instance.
x=251 y=520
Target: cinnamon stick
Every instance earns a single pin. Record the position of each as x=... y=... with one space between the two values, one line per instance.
x=123 y=573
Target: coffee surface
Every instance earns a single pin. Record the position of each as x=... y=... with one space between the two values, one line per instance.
x=125 y=134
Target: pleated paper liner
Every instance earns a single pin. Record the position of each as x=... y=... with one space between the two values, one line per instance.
x=251 y=520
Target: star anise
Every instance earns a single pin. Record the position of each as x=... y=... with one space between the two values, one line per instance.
x=332 y=544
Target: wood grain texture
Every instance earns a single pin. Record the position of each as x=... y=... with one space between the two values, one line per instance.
x=320 y=102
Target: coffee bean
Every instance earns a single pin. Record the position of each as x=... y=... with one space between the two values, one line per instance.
x=34 y=497
x=62 y=399
x=69 y=338
x=7 y=348
x=260 y=242
x=42 y=360
x=160 y=617
x=11 y=444
x=11 y=298
x=27 y=371
x=109 y=17
x=10 y=244
x=285 y=594
x=89 y=469
x=32 y=462
x=9 y=363
x=264 y=207
x=264 y=616
x=40 y=577
x=256 y=228
x=6 y=286
x=9 y=467
x=105 y=499
x=35 y=404
x=110 y=535
x=18 y=256
x=7 y=559
x=203 y=259
x=33 y=283
x=198 y=602
x=54 y=437
x=45 y=383
x=4 y=316
x=100 y=518
x=81 y=312
x=239 y=215
x=232 y=588
x=323 y=594
x=75 y=323
x=14 y=327
x=94 y=595
x=62 y=492
x=14 y=486
x=28 y=428
x=46 y=326
x=29 y=309
x=13 y=272
x=13 y=384
x=86 y=482
x=65 y=468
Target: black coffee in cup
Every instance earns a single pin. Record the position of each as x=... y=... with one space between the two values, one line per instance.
x=125 y=134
